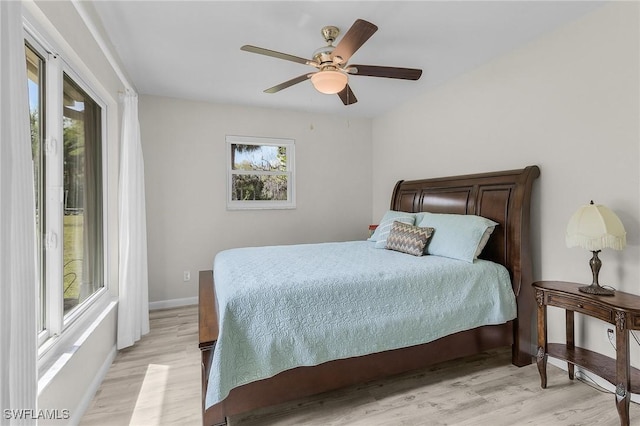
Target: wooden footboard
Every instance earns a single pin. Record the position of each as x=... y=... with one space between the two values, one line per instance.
x=208 y=336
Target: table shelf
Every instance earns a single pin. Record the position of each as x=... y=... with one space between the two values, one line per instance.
x=598 y=364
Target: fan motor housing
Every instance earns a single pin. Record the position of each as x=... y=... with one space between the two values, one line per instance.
x=323 y=55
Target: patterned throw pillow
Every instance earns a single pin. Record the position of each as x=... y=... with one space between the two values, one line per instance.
x=408 y=238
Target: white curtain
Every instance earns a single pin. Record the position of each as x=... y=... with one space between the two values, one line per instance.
x=133 y=305
x=18 y=300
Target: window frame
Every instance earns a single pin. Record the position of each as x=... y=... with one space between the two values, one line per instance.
x=74 y=313
x=289 y=145
x=41 y=289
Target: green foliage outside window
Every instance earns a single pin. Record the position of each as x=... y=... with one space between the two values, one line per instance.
x=258 y=187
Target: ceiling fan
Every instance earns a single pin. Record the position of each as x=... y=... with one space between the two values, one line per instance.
x=333 y=72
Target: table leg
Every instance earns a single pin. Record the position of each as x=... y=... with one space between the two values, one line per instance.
x=623 y=382
x=570 y=341
x=541 y=356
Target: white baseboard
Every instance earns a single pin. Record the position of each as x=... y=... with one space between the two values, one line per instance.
x=596 y=379
x=173 y=303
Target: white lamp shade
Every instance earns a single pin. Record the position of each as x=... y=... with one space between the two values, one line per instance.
x=329 y=82
x=594 y=227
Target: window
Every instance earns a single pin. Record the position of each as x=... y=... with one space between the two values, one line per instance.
x=66 y=140
x=261 y=173
x=82 y=196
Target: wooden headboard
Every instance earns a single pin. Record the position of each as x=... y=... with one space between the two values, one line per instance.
x=504 y=197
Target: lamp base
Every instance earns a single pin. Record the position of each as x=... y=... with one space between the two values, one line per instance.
x=596 y=289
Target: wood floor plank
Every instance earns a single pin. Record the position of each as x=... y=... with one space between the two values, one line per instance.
x=157 y=382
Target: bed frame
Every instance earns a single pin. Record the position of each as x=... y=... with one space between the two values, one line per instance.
x=504 y=197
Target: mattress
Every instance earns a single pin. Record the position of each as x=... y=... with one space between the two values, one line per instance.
x=282 y=307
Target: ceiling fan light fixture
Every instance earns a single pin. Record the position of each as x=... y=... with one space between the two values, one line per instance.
x=329 y=82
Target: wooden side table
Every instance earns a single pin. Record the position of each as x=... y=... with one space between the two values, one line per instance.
x=622 y=310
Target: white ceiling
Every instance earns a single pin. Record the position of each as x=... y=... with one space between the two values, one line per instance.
x=191 y=49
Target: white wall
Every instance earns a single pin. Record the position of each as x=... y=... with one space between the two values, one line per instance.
x=567 y=102
x=185 y=173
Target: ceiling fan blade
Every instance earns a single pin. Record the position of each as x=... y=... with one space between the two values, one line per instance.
x=347 y=96
x=274 y=54
x=388 y=72
x=357 y=35
x=288 y=83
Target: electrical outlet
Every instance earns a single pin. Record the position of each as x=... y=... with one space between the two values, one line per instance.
x=186 y=276
x=611 y=335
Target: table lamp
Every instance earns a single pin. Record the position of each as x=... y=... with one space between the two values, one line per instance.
x=595 y=227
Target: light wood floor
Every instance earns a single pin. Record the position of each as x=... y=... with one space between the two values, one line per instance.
x=157 y=382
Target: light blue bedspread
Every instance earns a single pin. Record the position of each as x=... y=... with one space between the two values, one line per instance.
x=282 y=307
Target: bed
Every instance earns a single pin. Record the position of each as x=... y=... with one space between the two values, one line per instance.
x=503 y=197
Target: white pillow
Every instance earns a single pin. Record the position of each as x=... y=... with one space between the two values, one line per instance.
x=384 y=226
x=457 y=236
